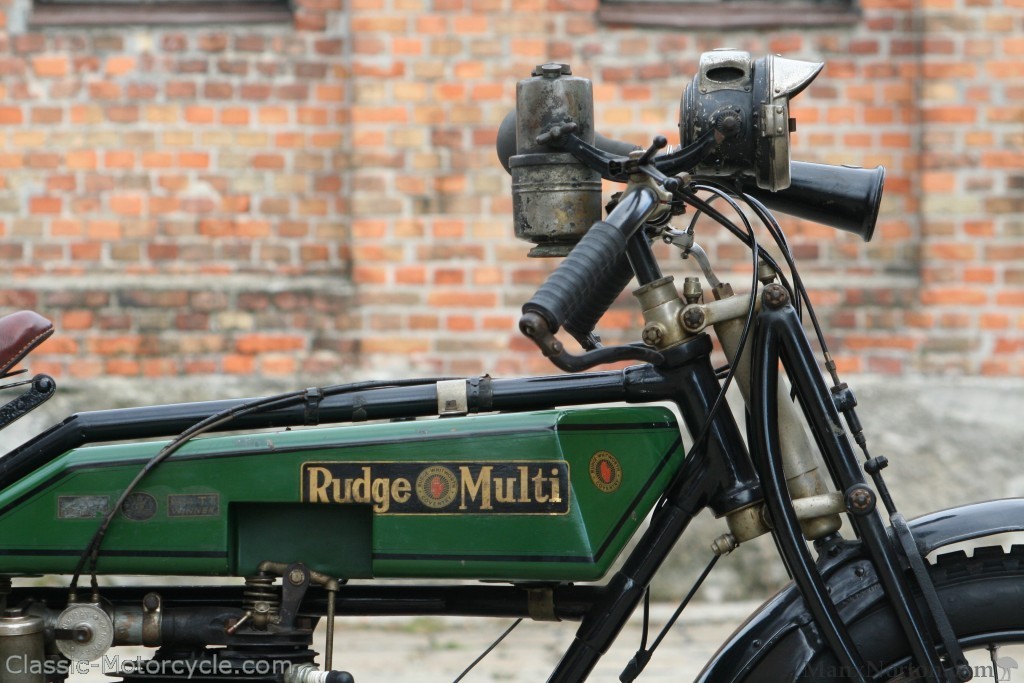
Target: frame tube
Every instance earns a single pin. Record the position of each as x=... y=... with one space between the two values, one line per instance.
x=779 y=335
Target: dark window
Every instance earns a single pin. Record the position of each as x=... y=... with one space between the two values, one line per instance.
x=729 y=14
x=117 y=12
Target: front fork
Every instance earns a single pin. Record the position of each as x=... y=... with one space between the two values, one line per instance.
x=779 y=336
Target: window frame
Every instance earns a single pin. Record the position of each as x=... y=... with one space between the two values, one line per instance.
x=728 y=15
x=49 y=13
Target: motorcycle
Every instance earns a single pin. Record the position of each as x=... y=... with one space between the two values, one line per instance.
x=521 y=496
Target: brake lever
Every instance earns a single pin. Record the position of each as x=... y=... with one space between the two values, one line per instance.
x=536 y=328
x=610 y=166
x=619 y=168
x=687 y=158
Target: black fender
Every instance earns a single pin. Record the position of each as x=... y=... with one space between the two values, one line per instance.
x=780 y=635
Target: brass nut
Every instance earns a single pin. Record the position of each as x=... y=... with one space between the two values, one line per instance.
x=296 y=576
x=692 y=290
x=724 y=544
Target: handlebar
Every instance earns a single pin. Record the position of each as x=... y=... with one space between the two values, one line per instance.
x=505 y=144
x=580 y=315
x=570 y=290
x=728 y=136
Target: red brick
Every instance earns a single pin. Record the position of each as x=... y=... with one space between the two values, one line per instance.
x=234 y=116
x=11 y=115
x=194 y=160
x=461 y=298
x=65 y=227
x=126 y=205
x=119 y=159
x=61 y=183
x=45 y=205
x=260 y=343
x=953 y=296
x=234 y=364
x=51 y=66
x=198 y=114
x=267 y=161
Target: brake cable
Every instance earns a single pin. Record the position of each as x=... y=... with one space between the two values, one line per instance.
x=92 y=549
x=489 y=649
x=643 y=655
x=750 y=240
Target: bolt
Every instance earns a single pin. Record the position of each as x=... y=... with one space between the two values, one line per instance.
x=151 y=602
x=876 y=465
x=297 y=576
x=692 y=318
x=775 y=296
x=964 y=672
x=728 y=124
x=860 y=500
x=653 y=334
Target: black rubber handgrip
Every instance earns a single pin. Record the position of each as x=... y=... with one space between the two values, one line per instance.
x=585 y=268
x=582 y=273
x=581 y=320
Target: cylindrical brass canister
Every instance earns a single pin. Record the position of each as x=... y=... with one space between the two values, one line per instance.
x=21 y=648
x=555 y=199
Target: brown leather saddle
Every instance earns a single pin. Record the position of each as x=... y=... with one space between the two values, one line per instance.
x=20 y=333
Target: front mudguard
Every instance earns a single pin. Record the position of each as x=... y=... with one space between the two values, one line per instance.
x=781 y=638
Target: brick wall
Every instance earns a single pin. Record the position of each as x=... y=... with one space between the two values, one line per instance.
x=321 y=200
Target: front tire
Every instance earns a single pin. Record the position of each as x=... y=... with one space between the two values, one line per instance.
x=983 y=595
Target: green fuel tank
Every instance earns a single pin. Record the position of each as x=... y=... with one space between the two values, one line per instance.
x=547 y=496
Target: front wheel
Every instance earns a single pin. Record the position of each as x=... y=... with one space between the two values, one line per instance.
x=983 y=595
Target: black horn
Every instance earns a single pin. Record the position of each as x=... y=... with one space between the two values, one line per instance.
x=842 y=197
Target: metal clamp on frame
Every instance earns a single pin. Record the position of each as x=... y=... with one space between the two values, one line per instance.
x=452 y=398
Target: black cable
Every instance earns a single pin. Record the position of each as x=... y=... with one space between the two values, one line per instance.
x=91 y=552
x=747 y=239
x=798 y=292
x=643 y=656
x=769 y=219
x=750 y=239
x=719 y=191
x=488 y=650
